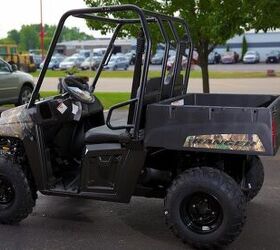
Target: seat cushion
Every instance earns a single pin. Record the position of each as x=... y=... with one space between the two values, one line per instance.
x=103 y=134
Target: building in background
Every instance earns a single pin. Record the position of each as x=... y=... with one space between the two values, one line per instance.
x=70 y=47
x=260 y=42
x=263 y=43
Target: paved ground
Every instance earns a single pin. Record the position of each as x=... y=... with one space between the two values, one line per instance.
x=244 y=67
x=232 y=67
x=64 y=223
x=252 y=85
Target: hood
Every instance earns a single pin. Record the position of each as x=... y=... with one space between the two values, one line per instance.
x=67 y=63
x=112 y=63
x=27 y=77
x=16 y=122
x=250 y=56
x=227 y=57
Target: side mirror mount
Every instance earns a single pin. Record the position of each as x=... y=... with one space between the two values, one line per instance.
x=14 y=67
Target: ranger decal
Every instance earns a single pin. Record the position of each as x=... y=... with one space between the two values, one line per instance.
x=238 y=142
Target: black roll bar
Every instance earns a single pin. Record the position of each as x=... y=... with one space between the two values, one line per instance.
x=144 y=17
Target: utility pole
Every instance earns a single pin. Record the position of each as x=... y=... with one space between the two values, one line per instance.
x=42 y=32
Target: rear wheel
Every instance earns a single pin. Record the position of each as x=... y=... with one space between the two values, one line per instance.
x=254 y=177
x=16 y=199
x=25 y=95
x=205 y=208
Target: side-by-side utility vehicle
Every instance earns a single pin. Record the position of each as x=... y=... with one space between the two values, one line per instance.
x=199 y=152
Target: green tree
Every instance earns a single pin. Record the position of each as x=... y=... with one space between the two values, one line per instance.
x=29 y=37
x=262 y=14
x=14 y=35
x=244 y=47
x=7 y=41
x=212 y=22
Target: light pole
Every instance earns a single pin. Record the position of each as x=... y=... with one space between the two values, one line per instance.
x=42 y=33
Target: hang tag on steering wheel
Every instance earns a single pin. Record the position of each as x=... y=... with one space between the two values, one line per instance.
x=61 y=108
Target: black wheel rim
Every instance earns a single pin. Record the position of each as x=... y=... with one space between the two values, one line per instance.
x=7 y=193
x=201 y=213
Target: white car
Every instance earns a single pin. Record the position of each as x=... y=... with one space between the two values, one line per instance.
x=91 y=62
x=71 y=62
x=15 y=86
x=117 y=62
x=251 y=57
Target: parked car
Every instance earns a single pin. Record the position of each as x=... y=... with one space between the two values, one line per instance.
x=91 y=62
x=273 y=57
x=214 y=58
x=171 y=61
x=130 y=57
x=15 y=86
x=71 y=62
x=84 y=53
x=158 y=57
x=251 y=57
x=230 y=57
x=54 y=64
x=117 y=62
x=37 y=59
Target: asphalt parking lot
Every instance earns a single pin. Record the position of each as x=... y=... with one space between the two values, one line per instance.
x=65 y=223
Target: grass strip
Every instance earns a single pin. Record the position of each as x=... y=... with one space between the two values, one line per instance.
x=194 y=74
x=108 y=99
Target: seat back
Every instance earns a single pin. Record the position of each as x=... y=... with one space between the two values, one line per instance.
x=152 y=95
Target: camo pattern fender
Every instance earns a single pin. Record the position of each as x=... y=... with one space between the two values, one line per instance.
x=16 y=122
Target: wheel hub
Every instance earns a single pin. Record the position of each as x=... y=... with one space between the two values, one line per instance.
x=26 y=95
x=201 y=213
x=7 y=192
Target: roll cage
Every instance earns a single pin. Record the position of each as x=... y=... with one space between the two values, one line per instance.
x=184 y=47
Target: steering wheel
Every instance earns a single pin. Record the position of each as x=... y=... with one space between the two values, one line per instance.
x=77 y=89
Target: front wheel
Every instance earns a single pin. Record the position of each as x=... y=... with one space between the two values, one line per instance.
x=16 y=199
x=205 y=208
x=24 y=95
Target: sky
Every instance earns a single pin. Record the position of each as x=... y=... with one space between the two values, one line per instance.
x=15 y=13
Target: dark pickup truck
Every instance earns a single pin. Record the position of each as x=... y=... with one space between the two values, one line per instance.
x=198 y=152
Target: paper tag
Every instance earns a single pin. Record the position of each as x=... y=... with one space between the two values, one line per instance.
x=61 y=108
x=178 y=103
x=75 y=109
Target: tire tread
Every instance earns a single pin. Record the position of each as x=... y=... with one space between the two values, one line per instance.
x=228 y=185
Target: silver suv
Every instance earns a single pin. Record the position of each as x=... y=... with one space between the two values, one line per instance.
x=15 y=86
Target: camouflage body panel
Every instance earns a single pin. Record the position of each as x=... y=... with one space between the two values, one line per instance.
x=16 y=122
x=236 y=142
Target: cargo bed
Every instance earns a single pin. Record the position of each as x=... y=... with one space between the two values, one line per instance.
x=226 y=123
